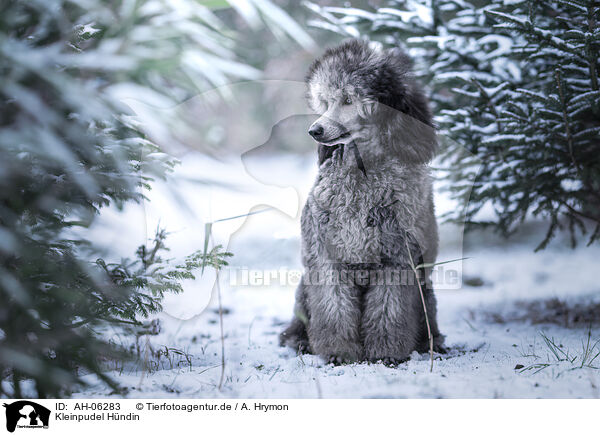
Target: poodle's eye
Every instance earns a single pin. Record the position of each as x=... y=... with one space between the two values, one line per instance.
x=348 y=101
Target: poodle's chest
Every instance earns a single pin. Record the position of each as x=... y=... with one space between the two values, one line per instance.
x=353 y=220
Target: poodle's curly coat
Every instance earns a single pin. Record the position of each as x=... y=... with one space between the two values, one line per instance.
x=370 y=213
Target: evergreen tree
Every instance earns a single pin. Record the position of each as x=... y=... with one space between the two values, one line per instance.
x=68 y=147
x=516 y=84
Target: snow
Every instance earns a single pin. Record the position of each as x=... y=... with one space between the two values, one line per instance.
x=414 y=10
x=504 y=44
x=352 y=12
x=488 y=324
x=467 y=76
x=590 y=95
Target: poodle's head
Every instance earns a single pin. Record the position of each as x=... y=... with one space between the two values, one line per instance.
x=366 y=94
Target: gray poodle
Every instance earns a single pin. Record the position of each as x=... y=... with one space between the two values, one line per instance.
x=369 y=216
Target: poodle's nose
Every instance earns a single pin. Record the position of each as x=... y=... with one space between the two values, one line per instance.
x=316 y=131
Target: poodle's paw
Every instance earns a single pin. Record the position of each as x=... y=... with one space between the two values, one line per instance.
x=440 y=348
x=303 y=348
x=337 y=360
x=298 y=343
x=388 y=361
x=344 y=357
x=391 y=362
x=438 y=344
x=295 y=337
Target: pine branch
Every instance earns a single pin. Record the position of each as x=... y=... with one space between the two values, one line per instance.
x=526 y=27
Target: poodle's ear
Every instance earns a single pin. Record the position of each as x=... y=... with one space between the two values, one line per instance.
x=400 y=57
x=414 y=104
x=404 y=110
x=412 y=140
x=404 y=94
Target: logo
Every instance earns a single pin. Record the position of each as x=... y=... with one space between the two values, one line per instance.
x=26 y=414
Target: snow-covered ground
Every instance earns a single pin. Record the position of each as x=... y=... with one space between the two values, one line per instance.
x=500 y=323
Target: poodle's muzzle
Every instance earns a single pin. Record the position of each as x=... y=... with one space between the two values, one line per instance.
x=328 y=132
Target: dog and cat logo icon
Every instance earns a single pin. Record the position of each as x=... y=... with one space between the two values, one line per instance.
x=26 y=414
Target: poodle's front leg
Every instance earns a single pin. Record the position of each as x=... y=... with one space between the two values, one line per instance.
x=391 y=321
x=334 y=324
